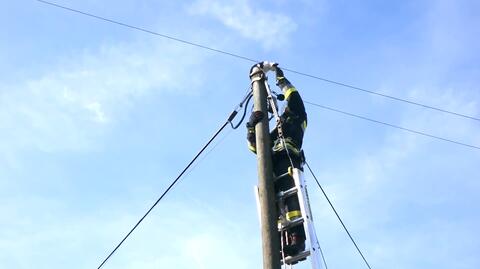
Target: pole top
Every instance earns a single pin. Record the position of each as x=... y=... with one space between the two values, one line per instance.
x=256 y=73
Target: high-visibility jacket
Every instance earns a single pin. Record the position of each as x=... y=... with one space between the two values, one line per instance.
x=293 y=122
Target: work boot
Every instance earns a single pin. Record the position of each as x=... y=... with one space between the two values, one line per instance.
x=297 y=245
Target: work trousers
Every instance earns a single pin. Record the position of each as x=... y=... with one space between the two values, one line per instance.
x=281 y=162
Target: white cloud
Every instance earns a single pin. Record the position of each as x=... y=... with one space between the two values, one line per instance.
x=400 y=145
x=452 y=31
x=398 y=197
x=69 y=106
x=271 y=29
x=175 y=235
x=458 y=100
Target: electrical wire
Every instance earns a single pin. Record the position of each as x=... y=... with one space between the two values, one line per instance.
x=197 y=163
x=148 y=31
x=255 y=61
x=323 y=257
x=393 y=126
x=164 y=193
x=383 y=95
x=338 y=216
x=230 y=118
x=244 y=102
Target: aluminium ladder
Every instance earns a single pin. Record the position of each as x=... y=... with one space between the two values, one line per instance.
x=312 y=246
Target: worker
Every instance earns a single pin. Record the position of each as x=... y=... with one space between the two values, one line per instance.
x=293 y=122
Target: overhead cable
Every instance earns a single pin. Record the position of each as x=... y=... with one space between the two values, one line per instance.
x=164 y=193
x=393 y=126
x=147 y=31
x=205 y=155
x=230 y=118
x=255 y=61
x=338 y=216
x=243 y=104
x=172 y=184
x=384 y=95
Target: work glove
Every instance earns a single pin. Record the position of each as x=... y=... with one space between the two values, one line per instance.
x=279 y=73
x=255 y=118
x=251 y=136
x=268 y=66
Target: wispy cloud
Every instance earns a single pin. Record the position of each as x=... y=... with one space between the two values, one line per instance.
x=452 y=30
x=67 y=107
x=270 y=29
x=193 y=236
x=411 y=208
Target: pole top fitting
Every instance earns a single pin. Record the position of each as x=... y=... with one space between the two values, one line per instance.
x=256 y=73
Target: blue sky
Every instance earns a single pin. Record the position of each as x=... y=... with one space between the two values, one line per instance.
x=96 y=120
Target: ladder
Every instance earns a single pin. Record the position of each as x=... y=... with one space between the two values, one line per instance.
x=312 y=248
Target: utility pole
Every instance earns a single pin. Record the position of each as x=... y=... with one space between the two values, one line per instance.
x=268 y=217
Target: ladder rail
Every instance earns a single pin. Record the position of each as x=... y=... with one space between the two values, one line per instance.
x=308 y=225
x=312 y=245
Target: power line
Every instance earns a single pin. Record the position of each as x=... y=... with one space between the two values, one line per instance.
x=212 y=148
x=148 y=31
x=384 y=95
x=164 y=193
x=255 y=61
x=393 y=126
x=338 y=216
x=323 y=257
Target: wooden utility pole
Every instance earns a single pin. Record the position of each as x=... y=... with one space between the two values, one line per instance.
x=268 y=218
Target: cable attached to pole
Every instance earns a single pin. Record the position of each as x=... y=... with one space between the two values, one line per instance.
x=164 y=193
x=338 y=216
x=245 y=101
x=230 y=118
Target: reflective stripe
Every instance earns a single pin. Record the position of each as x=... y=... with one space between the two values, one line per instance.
x=278 y=146
x=295 y=214
x=252 y=148
x=288 y=92
x=304 y=125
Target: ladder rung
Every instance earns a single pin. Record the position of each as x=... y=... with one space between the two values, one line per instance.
x=281 y=176
x=299 y=257
x=291 y=224
x=287 y=193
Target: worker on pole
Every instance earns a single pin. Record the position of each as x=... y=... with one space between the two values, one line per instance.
x=286 y=146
